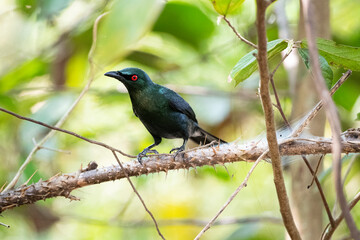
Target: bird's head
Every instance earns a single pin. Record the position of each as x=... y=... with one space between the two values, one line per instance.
x=132 y=78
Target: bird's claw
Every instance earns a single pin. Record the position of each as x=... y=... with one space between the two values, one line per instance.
x=143 y=154
x=178 y=150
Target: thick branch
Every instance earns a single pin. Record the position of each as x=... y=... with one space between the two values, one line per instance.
x=270 y=123
x=331 y=114
x=64 y=184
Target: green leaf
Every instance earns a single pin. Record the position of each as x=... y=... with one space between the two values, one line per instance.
x=247 y=65
x=185 y=22
x=126 y=23
x=357 y=117
x=225 y=7
x=22 y=74
x=324 y=66
x=337 y=55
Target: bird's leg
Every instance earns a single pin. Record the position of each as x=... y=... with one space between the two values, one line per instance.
x=148 y=149
x=179 y=149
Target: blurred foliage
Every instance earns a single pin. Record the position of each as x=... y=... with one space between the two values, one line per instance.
x=44 y=56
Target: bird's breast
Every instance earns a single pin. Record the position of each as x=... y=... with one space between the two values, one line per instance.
x=155 y=113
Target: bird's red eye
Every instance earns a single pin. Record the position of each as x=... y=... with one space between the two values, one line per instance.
x=134 y=77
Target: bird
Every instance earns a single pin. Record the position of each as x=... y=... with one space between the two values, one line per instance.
x=163 y=112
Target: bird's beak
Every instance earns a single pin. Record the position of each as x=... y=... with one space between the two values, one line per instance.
x=113 y=74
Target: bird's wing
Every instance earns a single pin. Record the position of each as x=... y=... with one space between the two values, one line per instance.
x=177 y=103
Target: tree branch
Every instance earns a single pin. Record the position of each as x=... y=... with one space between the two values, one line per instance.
x=270 y=123
x=329 y=230
x=331 y=114
x=238 y=34
x=64 y=184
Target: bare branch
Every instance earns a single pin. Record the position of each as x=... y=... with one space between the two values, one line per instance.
x=318 y=106
x=322 y=195
x=238 y=34
x=329 y=230
x=332 y=115
x=270 y=123
x=67 y=132
x=64 y=184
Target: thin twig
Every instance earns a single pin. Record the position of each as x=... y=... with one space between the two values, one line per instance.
x=316 y=170
x=242 y=185
x=297 y=131
x=322 y=195
x=329 y=230
x=67 y=132
x=238 y=34
x=331 y=113
x=66 y=115
x=137 y=193
x=278 y=104
x=25 y=183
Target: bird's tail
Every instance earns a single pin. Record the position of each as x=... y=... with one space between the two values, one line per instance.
x=201 y=136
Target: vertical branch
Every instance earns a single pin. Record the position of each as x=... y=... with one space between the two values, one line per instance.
x=270 y=123
x=332 y=116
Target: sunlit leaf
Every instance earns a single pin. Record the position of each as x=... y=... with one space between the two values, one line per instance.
x=325 y=68
x=225 y=7
x=338 y=55
x=191 y=25
x=23 y=74
x=247 y=65
x=126 y=23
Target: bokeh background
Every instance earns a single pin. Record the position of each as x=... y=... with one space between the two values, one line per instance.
x=44 y=47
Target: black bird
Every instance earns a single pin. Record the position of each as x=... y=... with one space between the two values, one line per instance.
x=164 y=113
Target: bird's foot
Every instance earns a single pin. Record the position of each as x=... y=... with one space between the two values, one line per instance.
x=143 y=154
x=178 y=150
